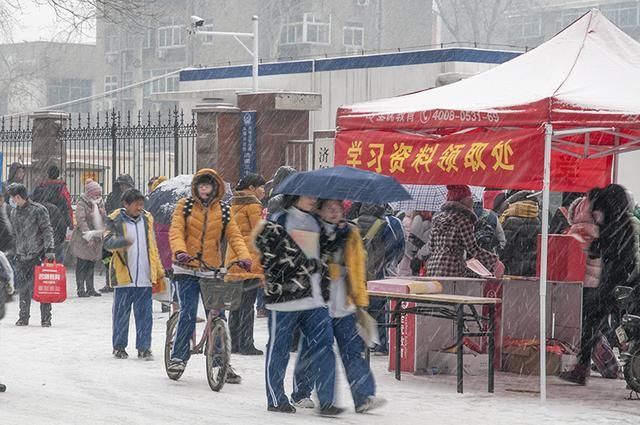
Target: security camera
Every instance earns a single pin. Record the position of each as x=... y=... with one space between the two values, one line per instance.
x=197 y=21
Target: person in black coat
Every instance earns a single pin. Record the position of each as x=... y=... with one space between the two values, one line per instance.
x=521 y=224
x=7 y=243
x=16 y=175
x=59 y=225
x=617 y=247
x=114 y=200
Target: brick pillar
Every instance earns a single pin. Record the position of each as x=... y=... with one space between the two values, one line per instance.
x=281 y=116
x=46 y=147
x=218 y=141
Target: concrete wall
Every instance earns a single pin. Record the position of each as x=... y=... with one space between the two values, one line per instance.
x=375 y=79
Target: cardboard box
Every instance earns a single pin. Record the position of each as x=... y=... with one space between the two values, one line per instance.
x=444 y=363
x=568 y=362
x=526 y=360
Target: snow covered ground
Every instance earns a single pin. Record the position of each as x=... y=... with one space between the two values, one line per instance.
x=67 y=375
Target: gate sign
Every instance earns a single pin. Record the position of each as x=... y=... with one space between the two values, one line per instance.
x=324 y=153
x=248 y=146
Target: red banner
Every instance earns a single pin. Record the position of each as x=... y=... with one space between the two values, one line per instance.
x=500 y=159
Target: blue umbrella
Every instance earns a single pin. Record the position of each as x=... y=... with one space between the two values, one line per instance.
x=344 y=183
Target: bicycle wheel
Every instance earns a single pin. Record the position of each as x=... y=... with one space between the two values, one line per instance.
x=172 y=325
x=218 y=354
x=632 y=369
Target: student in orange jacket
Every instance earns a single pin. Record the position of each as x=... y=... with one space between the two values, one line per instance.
x=197 y=230
x=246 y=208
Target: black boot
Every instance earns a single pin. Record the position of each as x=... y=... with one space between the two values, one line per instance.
x=576 y=376
x=3 y=388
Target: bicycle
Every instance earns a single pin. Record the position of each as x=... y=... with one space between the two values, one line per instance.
x=215 y=342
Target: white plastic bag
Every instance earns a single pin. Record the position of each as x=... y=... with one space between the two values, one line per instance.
x=367 y=328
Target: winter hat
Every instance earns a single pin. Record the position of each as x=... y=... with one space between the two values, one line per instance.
x=157 y=182
x=125 y=179
x=53 y=172
x=458 y=192
x=92 y=189
x=205 y=179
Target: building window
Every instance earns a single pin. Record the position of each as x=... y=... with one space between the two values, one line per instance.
x=127 y=78
x=111 y=42
x=208 y=39
x=624 y=15
x=66 y=90
x=526 y=27
x=353 y=37
x=110 y=83
x=171 y=34
x=149 y=35
x=569 y=16
x=309 y=29
x=161 y=85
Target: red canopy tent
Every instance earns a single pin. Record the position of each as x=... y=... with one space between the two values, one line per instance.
x=554 y=118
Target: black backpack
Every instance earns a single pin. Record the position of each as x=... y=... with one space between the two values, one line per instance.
x=372 y=233
x=485 y=231
x=226 y=218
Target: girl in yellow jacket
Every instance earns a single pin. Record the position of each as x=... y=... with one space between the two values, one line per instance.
x=348 y=293
x=199 y=225
x=246 y=209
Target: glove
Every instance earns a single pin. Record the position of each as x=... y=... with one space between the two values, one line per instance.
x=245 y=264
x=50 y=256
x=183 y=257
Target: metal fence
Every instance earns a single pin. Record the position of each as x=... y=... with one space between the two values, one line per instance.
x=299 y=153
x=140 y=145
x=15 y=145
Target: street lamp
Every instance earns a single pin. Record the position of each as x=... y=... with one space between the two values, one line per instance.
x=197 y=23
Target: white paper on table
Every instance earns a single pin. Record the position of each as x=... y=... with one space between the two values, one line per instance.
x=477 y=267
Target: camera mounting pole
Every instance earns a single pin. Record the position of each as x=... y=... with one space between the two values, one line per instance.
x=237 y=35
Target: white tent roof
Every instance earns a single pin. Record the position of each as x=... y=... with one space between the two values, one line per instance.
x=588 y=74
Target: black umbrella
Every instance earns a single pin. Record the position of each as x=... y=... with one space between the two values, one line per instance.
x=345 y=183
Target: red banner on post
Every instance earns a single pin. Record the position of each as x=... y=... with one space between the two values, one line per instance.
x=500 y=159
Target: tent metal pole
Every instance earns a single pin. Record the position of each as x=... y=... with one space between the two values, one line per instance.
x=546 y=185
x=616 y=160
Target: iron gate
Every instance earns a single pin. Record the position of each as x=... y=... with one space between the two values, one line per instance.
x=141 y=145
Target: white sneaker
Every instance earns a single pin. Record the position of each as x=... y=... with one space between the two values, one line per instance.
x=372 y=403
x=305 y=403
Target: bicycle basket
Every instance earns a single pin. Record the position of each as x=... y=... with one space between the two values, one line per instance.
x=218 y=294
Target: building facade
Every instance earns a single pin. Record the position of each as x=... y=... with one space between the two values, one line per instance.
x=535 y=24
x=288 y=29
x=38 y=74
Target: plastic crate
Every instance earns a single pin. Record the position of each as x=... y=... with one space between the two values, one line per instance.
x=218 y=294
